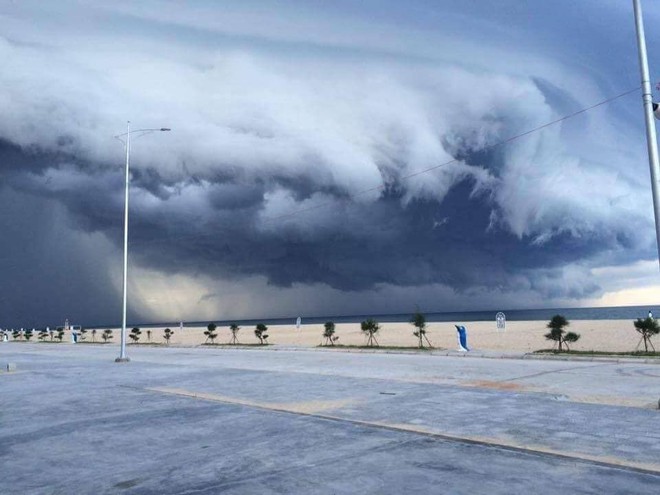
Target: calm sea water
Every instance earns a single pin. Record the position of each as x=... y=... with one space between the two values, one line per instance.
x=610 y=313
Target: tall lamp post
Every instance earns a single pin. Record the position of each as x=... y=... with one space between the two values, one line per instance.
x=123 y=358
x=647 y=97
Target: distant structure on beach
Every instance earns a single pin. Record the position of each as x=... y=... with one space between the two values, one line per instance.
x=500 y=318
x=298 y=322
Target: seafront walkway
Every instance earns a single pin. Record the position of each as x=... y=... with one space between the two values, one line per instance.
x=211 y=420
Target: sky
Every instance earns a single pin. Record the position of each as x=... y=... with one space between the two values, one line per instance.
x=325 y=158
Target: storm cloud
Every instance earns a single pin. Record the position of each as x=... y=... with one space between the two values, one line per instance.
x=326 y=159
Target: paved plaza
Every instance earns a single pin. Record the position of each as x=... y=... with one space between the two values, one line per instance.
x=214 y=420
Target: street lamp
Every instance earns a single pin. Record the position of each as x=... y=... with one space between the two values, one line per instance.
x=122 y=353
x=649 y=108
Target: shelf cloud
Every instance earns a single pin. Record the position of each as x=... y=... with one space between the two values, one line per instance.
x=375 y=171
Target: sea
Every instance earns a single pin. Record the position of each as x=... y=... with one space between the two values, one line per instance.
x=603 y=313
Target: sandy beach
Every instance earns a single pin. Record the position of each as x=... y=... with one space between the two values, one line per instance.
x=520 y=336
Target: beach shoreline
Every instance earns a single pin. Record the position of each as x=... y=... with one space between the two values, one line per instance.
x=519 y=336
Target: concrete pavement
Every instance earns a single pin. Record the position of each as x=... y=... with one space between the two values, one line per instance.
x=210 y=420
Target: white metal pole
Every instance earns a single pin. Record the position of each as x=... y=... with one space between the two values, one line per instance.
x=122 y=354
x=647 y=97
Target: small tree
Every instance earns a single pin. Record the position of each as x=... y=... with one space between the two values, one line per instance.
x=559 y=335
x=210 y=332
x=135 y=334
x=83 y=333
x=43 y=334
x=28 y=334
x=418 y=320
x=17 y=334
x=647 y=328
x=93 y=334
x=260 y=332
x=329 y=333
x=148 y=335
x=107 y=335
x=168 y=335
x=234 y=328
x=370 y=328
x=60 y=334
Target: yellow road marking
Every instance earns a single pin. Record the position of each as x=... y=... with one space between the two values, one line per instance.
x=314 y=407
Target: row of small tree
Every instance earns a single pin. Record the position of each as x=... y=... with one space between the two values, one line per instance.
x=136 y=333
x=370 y=328
x=211 y=334
x=646 y=327
x=42 y=335
x=57 y=335
x=259 y=331
x=106 y=335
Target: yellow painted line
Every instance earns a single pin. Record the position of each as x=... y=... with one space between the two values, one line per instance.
x=308 y=407
x=304 y=409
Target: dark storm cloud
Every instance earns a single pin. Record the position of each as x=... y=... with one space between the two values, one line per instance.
x=300 y=145
x=345 y=244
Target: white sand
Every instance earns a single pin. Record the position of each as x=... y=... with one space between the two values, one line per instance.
x=599 y=335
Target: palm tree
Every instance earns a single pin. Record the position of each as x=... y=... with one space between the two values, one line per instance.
x=260 y=332
x=107 y=335
x=329 y=333
x=168 y=335
x=234 y=332
x=210 y=332
x=418 y=320
x=148 y=335
x=93 y=334
x=556 y=326
x=42 y=335
x=370 y=327
x=648 y=328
